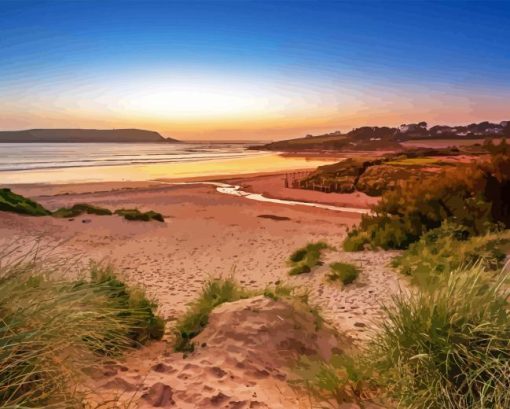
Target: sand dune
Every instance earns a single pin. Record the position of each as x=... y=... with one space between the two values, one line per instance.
x=208 y=235
x=243 y=360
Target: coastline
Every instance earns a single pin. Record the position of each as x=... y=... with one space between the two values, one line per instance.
x=209 y=235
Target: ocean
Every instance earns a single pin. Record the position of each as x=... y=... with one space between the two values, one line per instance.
x=37 y=156
x=111 y=162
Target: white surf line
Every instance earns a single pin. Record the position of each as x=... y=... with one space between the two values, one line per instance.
x=235 y=190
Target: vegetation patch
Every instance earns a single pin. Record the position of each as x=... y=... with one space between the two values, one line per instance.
x=214 y=293
x=449 y=346
x=449 y=247
x=278 y=291
x=475 y=196
x=304 y=259
x=413 y=161
x=79 y=209
x=132 y=302
x=135 y=214
x=344 y=272
x=12 y=202
x=342 y=379
x=51 y=330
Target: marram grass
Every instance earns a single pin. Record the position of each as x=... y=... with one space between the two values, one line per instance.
x=448 y=347
x=50 y=330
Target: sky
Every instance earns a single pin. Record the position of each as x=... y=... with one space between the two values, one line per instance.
x=239 y=70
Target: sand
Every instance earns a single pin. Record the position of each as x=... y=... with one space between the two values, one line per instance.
x=208 y=235
x=243 y=359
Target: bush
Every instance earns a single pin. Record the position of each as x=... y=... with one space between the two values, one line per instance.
x=475 y=196
x=135 y=214
x=214 y=293
x=344 y=272
x=79 y=209
x=52 y=329
x=449 y=247
x=12 y=202
x=449 y=346
x=304 y=259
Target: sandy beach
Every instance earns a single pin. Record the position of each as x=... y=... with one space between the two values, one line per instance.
x=207 y=235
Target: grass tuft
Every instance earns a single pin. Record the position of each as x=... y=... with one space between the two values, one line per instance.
x=447 y=248
x=344 y=272
x=304 y=259
x=278 y=291
x=79 y=209
x=12 y=202
x=448 y=346
x=335 y=382
x=51 y=330
x=135 y=214
x=214 y=293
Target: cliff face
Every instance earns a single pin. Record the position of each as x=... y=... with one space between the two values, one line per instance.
x=82 y=135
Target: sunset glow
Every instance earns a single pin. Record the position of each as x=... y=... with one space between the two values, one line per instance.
x=222 y=71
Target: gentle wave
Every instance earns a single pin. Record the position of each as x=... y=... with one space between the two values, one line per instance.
x=39 y=156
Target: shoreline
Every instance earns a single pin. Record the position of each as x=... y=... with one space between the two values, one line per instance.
x=268 y=184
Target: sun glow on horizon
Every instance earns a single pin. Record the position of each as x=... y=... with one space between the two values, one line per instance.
x=250 y=70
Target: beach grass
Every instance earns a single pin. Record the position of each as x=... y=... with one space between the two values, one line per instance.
x=12 y=202
x=344 y=272
x=135 y=214
x=448 y=346
x=447 y=248
x=304 y=259
x=81 y=208
x=278 y=291
x=214 y=293
x=53 y=329
x=341 y=380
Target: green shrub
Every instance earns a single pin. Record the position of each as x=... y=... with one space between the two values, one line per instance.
x=304 y=259
x=476 y=196
x=442 y=250
x=214 y=293
x=51 y=330
x=12 y=202
x=79 y=209
x=344 y=272
x=449 y=346
x=135 y=214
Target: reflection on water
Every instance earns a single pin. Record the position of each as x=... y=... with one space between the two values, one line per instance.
x=259 y=162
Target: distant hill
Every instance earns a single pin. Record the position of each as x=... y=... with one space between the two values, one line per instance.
x=373 y=138
x=83 y=135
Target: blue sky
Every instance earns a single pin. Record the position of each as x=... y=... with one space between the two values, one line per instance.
x=244 y=68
